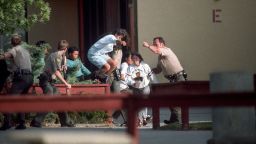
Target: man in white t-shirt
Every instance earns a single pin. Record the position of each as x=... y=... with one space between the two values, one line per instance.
x=98 y=53
x=169 y=65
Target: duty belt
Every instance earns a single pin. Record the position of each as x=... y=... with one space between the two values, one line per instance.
x=173 y=77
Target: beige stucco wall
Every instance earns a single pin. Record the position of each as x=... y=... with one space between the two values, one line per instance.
x=63 y=24
x=201 y=45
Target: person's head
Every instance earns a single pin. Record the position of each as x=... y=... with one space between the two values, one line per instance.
x=73 y=53
x=44 y=45
x=136 y=58
x=159 y=42
x=16 y=39
x=120 y=34
x=63 y=45
x=127 y=57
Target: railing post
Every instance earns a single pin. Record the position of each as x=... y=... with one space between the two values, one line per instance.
x=185 y=117
x=156 y=117
x=132 y=119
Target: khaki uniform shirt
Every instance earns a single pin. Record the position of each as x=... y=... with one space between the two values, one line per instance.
x=21 y=58
x=168 y=62
x=54 y=63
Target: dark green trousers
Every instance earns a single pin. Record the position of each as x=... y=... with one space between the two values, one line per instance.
x=50 y=89
x=20 y=85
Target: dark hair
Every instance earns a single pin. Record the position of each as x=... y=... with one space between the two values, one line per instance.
x=122 y=32
x=138 y=55
x=40 y=43
x=126 y=55
x=161 y=39
x=72 y=49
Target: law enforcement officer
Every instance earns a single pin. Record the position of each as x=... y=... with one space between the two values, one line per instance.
x=55 y=64
x=169 y=64
x=22 y=77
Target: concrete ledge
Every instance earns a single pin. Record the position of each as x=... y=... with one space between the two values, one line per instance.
x=64 y=136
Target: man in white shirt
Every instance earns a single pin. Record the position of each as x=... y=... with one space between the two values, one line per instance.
x=169 y=65
x=98 y=53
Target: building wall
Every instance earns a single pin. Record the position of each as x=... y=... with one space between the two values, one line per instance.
x=63 y=24
x=201 y=45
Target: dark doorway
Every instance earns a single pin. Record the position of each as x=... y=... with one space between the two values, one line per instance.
x=98 y=17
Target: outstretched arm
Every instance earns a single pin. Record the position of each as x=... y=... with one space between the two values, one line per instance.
x=85 y=71
x=6 y=56
x=152 y=48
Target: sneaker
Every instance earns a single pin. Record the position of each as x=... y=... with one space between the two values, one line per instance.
x=124 y=124
x=20 y=127
x=170 y=121
x=35 y=124
x=144 y=122
x=5 y=127
x=149 y=118
x=104 y=80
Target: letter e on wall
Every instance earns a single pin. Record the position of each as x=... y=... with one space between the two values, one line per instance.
x=216 y=15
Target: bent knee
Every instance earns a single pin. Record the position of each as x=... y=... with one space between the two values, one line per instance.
x=106 y=67
x=112 y=63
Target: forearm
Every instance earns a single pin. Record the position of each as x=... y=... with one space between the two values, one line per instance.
x=85 y=71
x=153 y=49
x=120 y=43
x=5 y=56
x=60 y=77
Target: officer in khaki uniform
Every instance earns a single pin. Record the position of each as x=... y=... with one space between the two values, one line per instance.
x=22 y=77
x=55 y=64
x=169 y=64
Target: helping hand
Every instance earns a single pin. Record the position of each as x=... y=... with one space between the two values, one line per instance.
x=123 y=43
x=68 y=86
x=145 y=44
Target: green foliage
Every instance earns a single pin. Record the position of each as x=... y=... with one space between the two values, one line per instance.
x=51 y=117
x=37 y=58
x=76 y=117
x=71 y=74
x=13 y=14
x=96 y=117
x=88 y=117
x=72 y=79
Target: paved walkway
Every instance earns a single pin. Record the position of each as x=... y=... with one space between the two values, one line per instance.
x=146 y=134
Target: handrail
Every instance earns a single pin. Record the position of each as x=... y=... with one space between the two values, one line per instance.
x=132 y=103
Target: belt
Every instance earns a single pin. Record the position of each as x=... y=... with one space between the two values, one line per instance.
x=22 y=72
x=175 y=76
